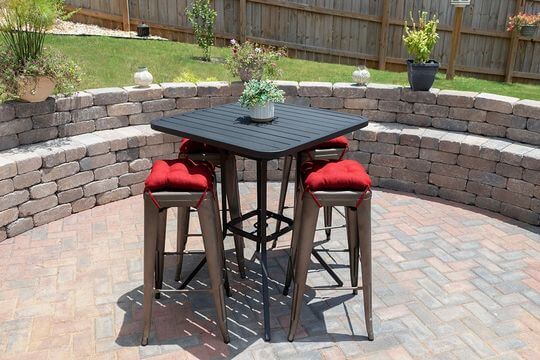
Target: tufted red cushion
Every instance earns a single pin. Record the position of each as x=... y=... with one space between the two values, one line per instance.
x=341 y=142
x=188 y=146
x=179 y=175
x=335 y=176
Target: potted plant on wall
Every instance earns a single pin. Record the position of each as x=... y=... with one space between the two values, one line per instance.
x=525 y=23
x=259 y=97
x=252 y=61
x=420 y=39
x=27 y=70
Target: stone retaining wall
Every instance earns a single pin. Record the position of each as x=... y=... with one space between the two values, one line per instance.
x=44 y=182
x=101 y=109
x=53 y=178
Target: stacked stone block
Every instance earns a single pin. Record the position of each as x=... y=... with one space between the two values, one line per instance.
x=69 y=154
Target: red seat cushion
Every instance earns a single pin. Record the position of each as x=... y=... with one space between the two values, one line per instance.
x=341 y=142
x=188 y=146
x=179 y=175
x=340 y=175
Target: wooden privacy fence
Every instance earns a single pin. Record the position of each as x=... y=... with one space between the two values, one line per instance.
x=347 y=31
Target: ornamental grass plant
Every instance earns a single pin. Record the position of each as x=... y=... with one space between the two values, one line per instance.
x=23 y=28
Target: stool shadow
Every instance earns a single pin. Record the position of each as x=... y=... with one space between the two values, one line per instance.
x=185 y=321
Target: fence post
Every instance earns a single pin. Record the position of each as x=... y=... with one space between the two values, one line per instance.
x=243 y=10
x=124 y=8
x=383 y=36
x=456 y=36
x=512 y=49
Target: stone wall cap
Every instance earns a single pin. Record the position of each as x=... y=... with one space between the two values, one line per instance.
x=497 y=97
x=285 y=83
x=383 y=86
x=108 y=90
x=212 y=83
x=527 y=108
x=166 y=85
x=458 y=93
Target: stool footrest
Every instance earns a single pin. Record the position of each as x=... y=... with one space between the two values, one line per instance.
x=348 y=288
x=231 y=225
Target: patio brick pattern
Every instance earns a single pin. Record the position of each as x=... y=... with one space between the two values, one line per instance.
x=450 y=282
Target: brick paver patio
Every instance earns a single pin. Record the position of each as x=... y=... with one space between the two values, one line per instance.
x=450 y=282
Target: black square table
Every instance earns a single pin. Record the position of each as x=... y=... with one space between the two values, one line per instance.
x=293 y=130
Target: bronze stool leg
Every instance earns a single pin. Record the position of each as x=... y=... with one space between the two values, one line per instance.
x=233 y=197
x=310 y=212
x=160 y=256
x=212 y=238
x=294 y=241
x=150 y=242
x=364 y=231
x=328 y=220
x=352 y=239
x=181 y=238
x=287 y=165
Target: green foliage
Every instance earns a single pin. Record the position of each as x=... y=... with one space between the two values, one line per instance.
x=22 y=31
x=188 y=76
x=260 y=92
x=24 y=24
x=203 y=18
x=49 y=64
x=421 y=38
x=170 y=58
x=252 y=61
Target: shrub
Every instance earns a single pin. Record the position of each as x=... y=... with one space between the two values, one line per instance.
x=50 y=64
x=522 y=19
x=260 y=92
x=252 y=61
x=202 y=18
x=421 y=38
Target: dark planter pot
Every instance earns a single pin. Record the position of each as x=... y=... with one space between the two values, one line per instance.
x=528 y=30
x=143 y=30
x=422 y=76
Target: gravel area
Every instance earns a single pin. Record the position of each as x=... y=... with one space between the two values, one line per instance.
x=72 y=28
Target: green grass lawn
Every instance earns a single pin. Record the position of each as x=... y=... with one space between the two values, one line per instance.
x=111 y=62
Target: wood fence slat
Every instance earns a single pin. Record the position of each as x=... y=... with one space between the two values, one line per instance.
x=383 y=36
x=347 y=31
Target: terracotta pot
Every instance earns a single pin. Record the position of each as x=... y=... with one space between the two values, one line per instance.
x=35 y=89
x=245 y=74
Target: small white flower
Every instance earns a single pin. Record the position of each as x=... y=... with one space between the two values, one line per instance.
x=233 y=42
x=258 y=50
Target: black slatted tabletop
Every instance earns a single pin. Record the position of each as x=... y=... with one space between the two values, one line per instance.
x=294 y=129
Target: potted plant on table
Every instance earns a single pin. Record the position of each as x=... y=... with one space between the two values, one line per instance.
x=420 y=39
x=252 y=61
x=525 y=23
x=27 y=70
x=259 y=97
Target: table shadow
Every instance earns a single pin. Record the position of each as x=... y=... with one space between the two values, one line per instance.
x=185 y=321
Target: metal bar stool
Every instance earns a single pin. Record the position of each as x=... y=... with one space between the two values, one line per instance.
x=181 y=184
x=342 y=183
x=197 y=151
x=333 y=149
